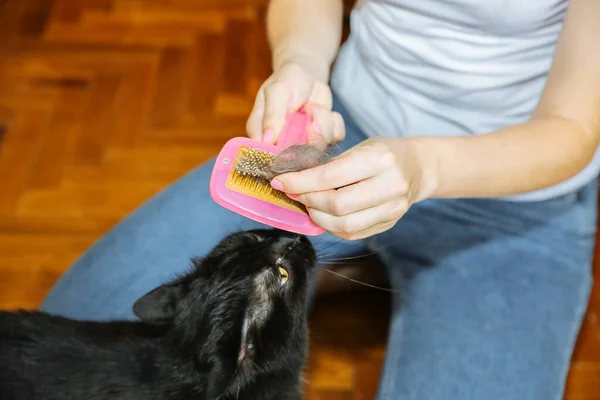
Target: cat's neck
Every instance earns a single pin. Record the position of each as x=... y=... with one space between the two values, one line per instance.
x=208 y=379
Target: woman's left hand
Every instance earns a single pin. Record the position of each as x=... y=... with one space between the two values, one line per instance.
x=363 y=191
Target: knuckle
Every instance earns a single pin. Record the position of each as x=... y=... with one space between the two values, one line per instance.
x=276 y=86
x=337 y=205
x=276 y=91
x=346 y=227
x=386 y=157
x=380 y=153
x=325 y=176
x=321 y=94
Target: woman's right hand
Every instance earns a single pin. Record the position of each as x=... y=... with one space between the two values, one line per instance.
x=286 y=90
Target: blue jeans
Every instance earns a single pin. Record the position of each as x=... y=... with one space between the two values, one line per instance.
x=492 y=293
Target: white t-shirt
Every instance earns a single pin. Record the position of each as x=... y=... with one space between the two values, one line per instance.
x=452 y=67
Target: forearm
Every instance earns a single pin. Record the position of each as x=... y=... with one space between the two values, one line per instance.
x=514 y=160
x=305 y=31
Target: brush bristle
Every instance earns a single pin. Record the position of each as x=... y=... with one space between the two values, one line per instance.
x=255 y=163
x=251 y=175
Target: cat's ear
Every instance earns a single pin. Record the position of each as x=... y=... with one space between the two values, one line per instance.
x=158 y=305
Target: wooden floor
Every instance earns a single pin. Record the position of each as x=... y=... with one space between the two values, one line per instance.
x=105 y=102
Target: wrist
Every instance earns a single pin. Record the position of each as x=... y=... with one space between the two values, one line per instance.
x=422 y=166
x=319 y=67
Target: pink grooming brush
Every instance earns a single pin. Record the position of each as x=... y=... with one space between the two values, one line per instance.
x=252 y=196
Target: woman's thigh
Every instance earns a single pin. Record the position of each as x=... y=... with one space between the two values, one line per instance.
x=155 y=243
x=492 y=295
x=147 y=248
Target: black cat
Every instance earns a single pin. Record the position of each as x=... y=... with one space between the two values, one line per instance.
x=234 y=327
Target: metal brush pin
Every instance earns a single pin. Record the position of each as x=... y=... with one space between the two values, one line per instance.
x=255 y=163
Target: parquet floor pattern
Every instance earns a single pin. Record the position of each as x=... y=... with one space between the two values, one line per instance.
x=105 y=102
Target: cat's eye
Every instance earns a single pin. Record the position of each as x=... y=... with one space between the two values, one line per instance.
x=284 y=275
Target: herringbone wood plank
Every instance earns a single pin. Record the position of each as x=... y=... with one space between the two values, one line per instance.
x=105 y=102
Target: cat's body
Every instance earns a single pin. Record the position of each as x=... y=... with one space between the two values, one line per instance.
x=232 y=328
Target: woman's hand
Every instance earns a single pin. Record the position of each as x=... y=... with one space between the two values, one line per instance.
x=365 y=190
x=289 y=88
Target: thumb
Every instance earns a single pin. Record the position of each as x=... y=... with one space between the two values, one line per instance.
x=277 y=107
x=254 y=122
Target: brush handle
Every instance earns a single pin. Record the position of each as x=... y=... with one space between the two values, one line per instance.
x=295 y=130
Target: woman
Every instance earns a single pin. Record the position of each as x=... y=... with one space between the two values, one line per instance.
x=470 y=132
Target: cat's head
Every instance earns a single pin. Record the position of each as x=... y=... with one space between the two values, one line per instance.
x=241 y=311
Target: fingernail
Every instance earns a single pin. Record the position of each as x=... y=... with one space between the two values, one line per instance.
x=268 y=136
x=317 y=127
x=275 y=184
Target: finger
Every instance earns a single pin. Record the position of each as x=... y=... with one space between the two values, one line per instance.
x=321 y=95
x=322 y=126
x=350 y=225
x=339 y=128
x=254 y=122
x=368 y=193
x=374 y=230
x=355 y=165
x=277 y=104
x=334 y=131
x=335 y=174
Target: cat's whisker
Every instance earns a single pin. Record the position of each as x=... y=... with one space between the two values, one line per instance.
x=326 y=257
x=320 y=256
x=229 y=384
x=329 y=254
x=367 y=254
x=333 y=263
x=328 y=245
x=351 y=258
x=361 y=283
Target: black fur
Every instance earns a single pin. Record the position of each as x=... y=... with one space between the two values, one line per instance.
x=228 y=329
